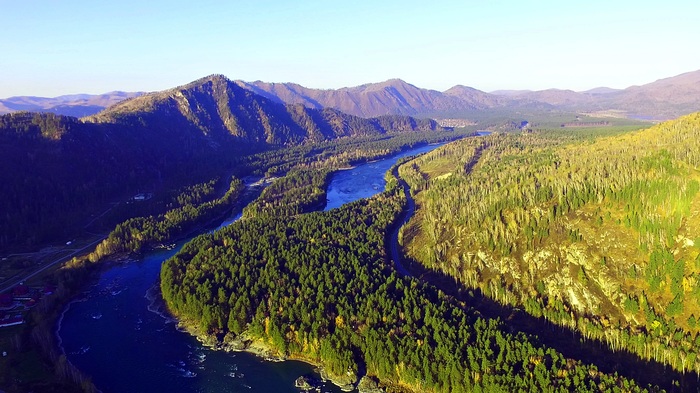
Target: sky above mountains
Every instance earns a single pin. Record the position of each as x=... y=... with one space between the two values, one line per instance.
x=51 y=48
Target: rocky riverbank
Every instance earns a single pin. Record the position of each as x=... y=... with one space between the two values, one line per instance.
x=258 y=347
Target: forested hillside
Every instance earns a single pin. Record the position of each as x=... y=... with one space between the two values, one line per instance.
x=597 y=233
x=76 y=169
x=318 y=287
x=58 y=170
x=222 y=111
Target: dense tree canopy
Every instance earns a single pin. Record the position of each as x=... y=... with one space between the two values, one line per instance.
x=595 y=232
x=318 y=286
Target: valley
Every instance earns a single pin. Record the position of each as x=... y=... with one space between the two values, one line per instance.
x=554 y=252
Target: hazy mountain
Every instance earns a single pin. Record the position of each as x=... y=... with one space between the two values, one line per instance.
x=562 y=99
x=374 y=99
x=477 y=98
x=77 y=105
x=511 y=93
x=599 y=91
x=664 y=99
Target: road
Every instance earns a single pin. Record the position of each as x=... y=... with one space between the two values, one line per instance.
x=394 y=238
x=7 y=285
x=223 y=187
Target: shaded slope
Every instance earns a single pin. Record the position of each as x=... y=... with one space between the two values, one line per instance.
x=220 y=110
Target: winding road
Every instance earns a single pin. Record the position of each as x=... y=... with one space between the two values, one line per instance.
x=394 y=248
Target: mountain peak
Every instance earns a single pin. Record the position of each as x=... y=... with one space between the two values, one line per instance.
x=395 y=83
x=459 y=88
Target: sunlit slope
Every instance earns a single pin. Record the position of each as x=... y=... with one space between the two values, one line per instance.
x=601 y=233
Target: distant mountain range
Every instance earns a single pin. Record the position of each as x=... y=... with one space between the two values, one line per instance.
x=663 y=99
x=77 y=105
x=394 y=96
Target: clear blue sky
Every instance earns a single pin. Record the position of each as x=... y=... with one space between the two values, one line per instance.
x=50 y=48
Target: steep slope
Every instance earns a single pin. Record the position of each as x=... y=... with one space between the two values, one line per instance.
x=77 y=105
x=58 y=170
x=221 y=111
x=597 y=233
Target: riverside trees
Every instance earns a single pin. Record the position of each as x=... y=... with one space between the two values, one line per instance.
x=319 y=286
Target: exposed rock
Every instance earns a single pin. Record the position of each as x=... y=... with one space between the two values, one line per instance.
x=303 y=383
x=369 y=385
x=346 y=383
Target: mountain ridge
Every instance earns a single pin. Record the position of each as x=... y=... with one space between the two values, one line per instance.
x=77 y=105
x=662 y=99
x=393 y=96
x=72 y=166
x=220 y=108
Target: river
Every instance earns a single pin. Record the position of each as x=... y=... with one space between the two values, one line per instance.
x=118 y=334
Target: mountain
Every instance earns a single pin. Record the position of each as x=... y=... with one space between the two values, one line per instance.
x=219 y=109
x=599 y=91
x=605 y=243
x=664 y=99
x=560 y=98
x=393 y=96
x=74 y=167
x=477 y=98
x=77 y=105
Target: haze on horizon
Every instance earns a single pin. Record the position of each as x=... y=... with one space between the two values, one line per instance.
x=56 y=48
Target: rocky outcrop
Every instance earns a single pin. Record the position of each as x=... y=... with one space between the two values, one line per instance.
x=369 y=385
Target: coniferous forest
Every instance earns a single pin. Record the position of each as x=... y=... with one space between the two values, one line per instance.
x=595 y=232
x=319 y=287
x=589 y=232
